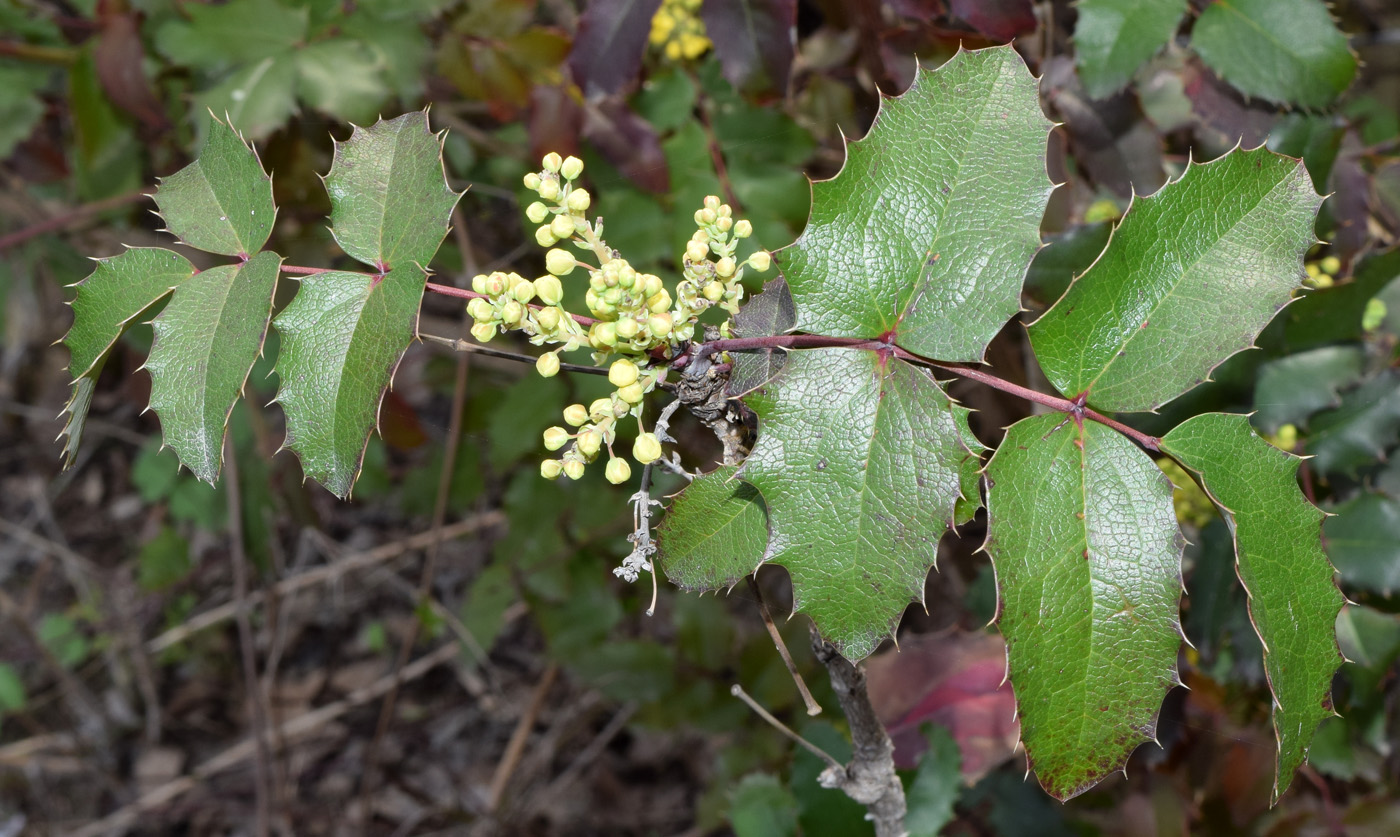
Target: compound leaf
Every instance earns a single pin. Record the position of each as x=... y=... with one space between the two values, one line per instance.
x=1190 y=276
x=1115 y=37
x=222 y=202
x=342 y=338
x=206 y=341
x=116 y=291
x=1088 y=561
x=714 y=534
x=1289 y=390
x=390 y=204
x=859 y=460
x=1286 y=51
x=1293 y=601
x=930 y=226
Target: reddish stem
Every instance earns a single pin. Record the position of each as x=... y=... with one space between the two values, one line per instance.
x=304 y=271
x=68 y=218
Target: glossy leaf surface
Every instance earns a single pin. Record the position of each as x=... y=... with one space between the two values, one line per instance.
x=1289 y=390
x=117 y=290
x=1190 y=276
x=1293 y=601
x=929 y=228
x=222 y=202
x=1363 y=540
x=714 y=533
x=858 y=460
x=206 y=341
x=1359 y=431
x=1112 y=38
x=771 y=312
x=1088 y=559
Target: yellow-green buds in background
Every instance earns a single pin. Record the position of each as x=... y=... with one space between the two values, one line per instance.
x=647 y=448
x=618 y=471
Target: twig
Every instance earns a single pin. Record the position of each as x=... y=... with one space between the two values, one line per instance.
x=738 y=691
x=64 y=219
x=813 y=708
x=870 y=778
x=590 y=753
x=302 y=724
x=459 y=345
x=37 y=53
x=516 y=747
x=262 y=787
x=329 y=572
x=643 y=547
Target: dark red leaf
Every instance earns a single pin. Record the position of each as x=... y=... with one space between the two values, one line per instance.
x=556 y=120
x=117 y=58
x=628 y=142
x=1350 y=203
x=1000 y=20
x=753 y=35
x=1112 y=140
x=612 y=35
x=1222 y=112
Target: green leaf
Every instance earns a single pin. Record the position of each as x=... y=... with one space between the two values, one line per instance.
x=1286 y=51
x=929 y=228
x=390 y=203
x=1190 y=276
x=218 y=35
x=1363 y=541
x=20 y=106
x=760 y=806
x=1278 y=551
x=1358 y=432
x=76 y=412
x=1115 y=37
x=859 y=460
x=258 y=98
x=1291 y=389
x=206 y=341
x=222 y=202
x=770 y=312
x=970 y=470
x=164 y=561
x=342 y=338
x=117 y=290
x=932 y=790
x=341 y=77
x=12 y=694
x=1088 y=560
x=714 y=534
x=520 y=417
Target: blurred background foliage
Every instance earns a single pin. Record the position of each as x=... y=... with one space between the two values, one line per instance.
x=123 y=691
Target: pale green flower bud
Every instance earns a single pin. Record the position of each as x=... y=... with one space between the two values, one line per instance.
x=612 y=296
x=725 y=267
x=712 y=202
x=559 y=262
x=660 y=324
x=479 y=283
x=578 y=200
x=495 y=284
x=633 y=393
x=512 y=312
x=550 y=469
x=600 y=409
x=724 y=211
x=545 y=237
x=573 y=469
x=646 y=449
x=532 y=181
x=622 y=373
x=686 y=331
x=552 y=162
x=571 y=168
x=700 y=236
x=743 y=229
x=706 y=217
x=714 y=291
x=555 y=438
x=576 y=415
x=549 y=189
x=724 y=222
x=660 y=302
x=590 y=443
x=547 y=365
x=549 y=290
x=627 y=328
x=483 y=332
x=524 y=291
x=548 y=319
x=481 y=310
x=618 y=471
x=562 y=226
x=651 y=285
x=760 y=261
x=537 y=212
x=603 y=335
x=696 y=251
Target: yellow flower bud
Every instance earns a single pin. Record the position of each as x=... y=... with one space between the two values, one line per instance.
x=532 y=181
x=696 y=251
x=578 y=200
x=660 y=324
x=537 y=212
x=483 y=332
x=760 y=261
x=712 y=203
x=603 y=335
x=571 y=168
x=549 y=189
x=547 y=365
x=660 y=302
x=632 y=393
x=706 y=217
x=622 y=373
x=724 y=223
x=550 y=469
x=743 y=229
x=646 y=449
x=545 y=237
x=576 y=415
x=552 y=162
x=548 y=319
x=618 y=471
x=627 y=328
x=479 y=283
x=590 y=443
x=573 y=469
x=559 y=262
x=555 y=438
x=725 y=267
x=512 y=312
x=481 y=310
x=549 y=290
x=651 y=285
x=1331 y=265
x=600 y=409
x=524 y=291
x=562 y=226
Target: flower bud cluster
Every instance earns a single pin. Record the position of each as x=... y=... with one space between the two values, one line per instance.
x=510 y=301
x=1323 y=272
x=596 y=428
x=712 y=274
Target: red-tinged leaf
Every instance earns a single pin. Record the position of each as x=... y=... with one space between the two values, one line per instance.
x=1350 y=205
x=608 y=47
x=118 y=58
x=555 y=122
x=628 y=142
x=957 y=681
x=753 y=36
x=1113 y=142
x=999 y=20
x=1223 y=113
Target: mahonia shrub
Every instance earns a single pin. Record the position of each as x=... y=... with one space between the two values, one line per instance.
x=913 y=259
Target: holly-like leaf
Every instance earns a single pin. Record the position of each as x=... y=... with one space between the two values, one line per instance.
x=769 y=313
x=1363 y=540
x=1115 y=37
x=929 y=228
x=1293 y=601
x=970 y=476
x=1289 y=390
x=206 y=341
x=859 y=460
x=75 y=414
x=116 y=291
x=607 y=51
x=753 y=37
x=1190 y=276
x=1359 y=431
x=215 y=35
x=714 y=534
x=222 y=202
x=1286 y=51
x=1088 y=561
x=390 y=204
x=342 y=338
